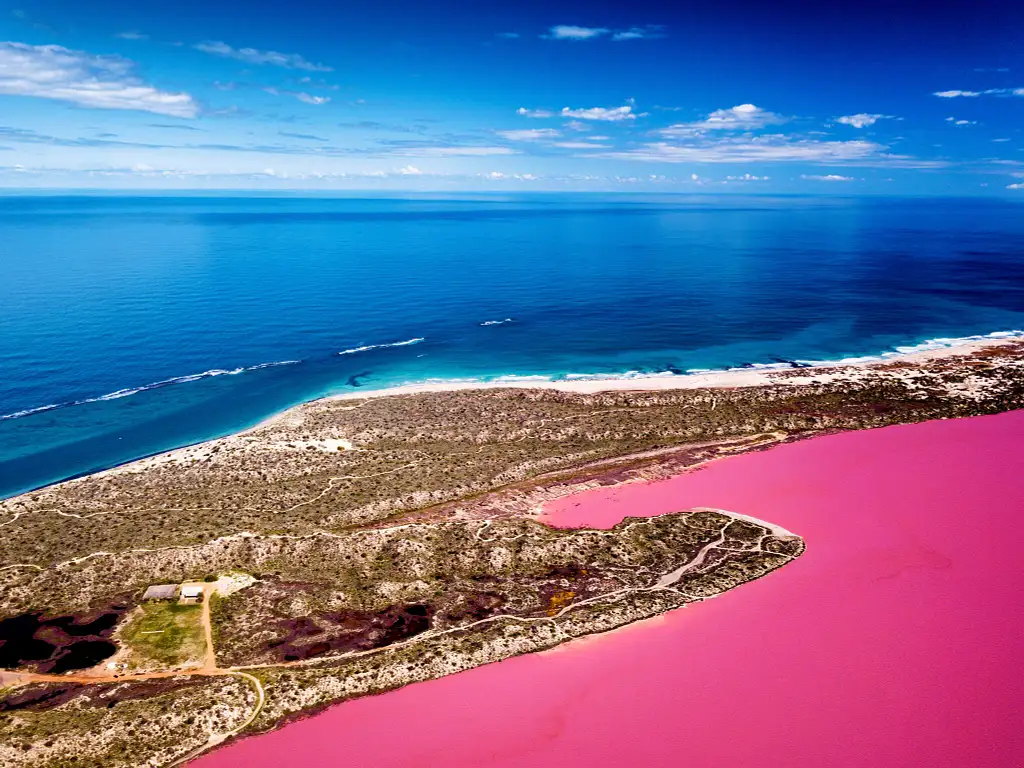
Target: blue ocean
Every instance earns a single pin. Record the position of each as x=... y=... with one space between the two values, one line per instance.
x=132 y=325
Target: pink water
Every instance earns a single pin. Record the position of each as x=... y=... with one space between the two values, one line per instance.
x=894 y=642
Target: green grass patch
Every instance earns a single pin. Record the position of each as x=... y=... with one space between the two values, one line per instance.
x=166 y=633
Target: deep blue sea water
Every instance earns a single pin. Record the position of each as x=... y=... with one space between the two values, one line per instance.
x=138 y=324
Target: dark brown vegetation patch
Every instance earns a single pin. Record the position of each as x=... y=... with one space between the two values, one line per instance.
x=59 y=643
x=342 y=631
x=39 y=697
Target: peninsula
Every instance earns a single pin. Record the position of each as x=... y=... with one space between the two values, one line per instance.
x=351 y=546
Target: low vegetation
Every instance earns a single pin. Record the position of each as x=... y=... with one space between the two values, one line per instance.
x=164 y=635
x=407 y=551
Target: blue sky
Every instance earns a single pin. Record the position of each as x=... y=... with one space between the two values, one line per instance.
x=722 y=96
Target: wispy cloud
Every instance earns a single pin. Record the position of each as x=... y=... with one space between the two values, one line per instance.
x=26 y=136
x=769 y=148
x=132 y=35
x=256 y=56
x=300 y=95
x=452 y=151
x=1018 y=185
x=85 y=79
x=508 y=35
x=975 y=94
x=530 y=134
x=646 y=32
x=579 y=145
x=861 y=119
x=175 y=126
x=954 y=121
x=541 y=113
x=829 y=177
x=747 y=177
x=607 y=114
x=374 y=125
x=742 y=117
x=572 y=32
x=303 y=136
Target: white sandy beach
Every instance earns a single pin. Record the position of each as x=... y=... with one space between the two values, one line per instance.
x=746 y=377
x=713 y=379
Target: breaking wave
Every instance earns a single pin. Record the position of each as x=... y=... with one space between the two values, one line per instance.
x=497 y=322
x=929 y=345
x=924 y=346
x=368 y=347
x=127 y=392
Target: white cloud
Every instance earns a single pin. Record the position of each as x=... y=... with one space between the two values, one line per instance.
x=534 y=112
x=771 y=148
x=1015 y=186
x=410 y=170
x=530 y=134
x=579 y=145
x=131 y=35
x=742 y=117
x=102 y=82
x=609 y=114
x=861 y=119
x=571 y=32
x=516 y=176
x=256 y=56
x=829 y=177
x=954 y=121
x=1001 y=92
x=455 y=151
x=647 y=32
x=747 y=177
x=312 y=99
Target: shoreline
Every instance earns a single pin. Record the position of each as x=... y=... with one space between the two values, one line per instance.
x=755 y=376
x=769 y=375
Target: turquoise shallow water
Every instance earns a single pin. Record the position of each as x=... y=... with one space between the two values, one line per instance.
x=131 y=325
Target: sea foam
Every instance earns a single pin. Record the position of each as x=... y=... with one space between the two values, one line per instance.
x=368 y=347
x=128 y=391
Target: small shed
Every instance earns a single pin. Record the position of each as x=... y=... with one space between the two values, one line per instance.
x=192 y=593
x=161 y=592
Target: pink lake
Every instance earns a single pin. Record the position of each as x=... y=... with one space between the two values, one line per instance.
x=894 y=642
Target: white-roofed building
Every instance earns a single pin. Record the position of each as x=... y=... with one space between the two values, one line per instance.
x=192 y=593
